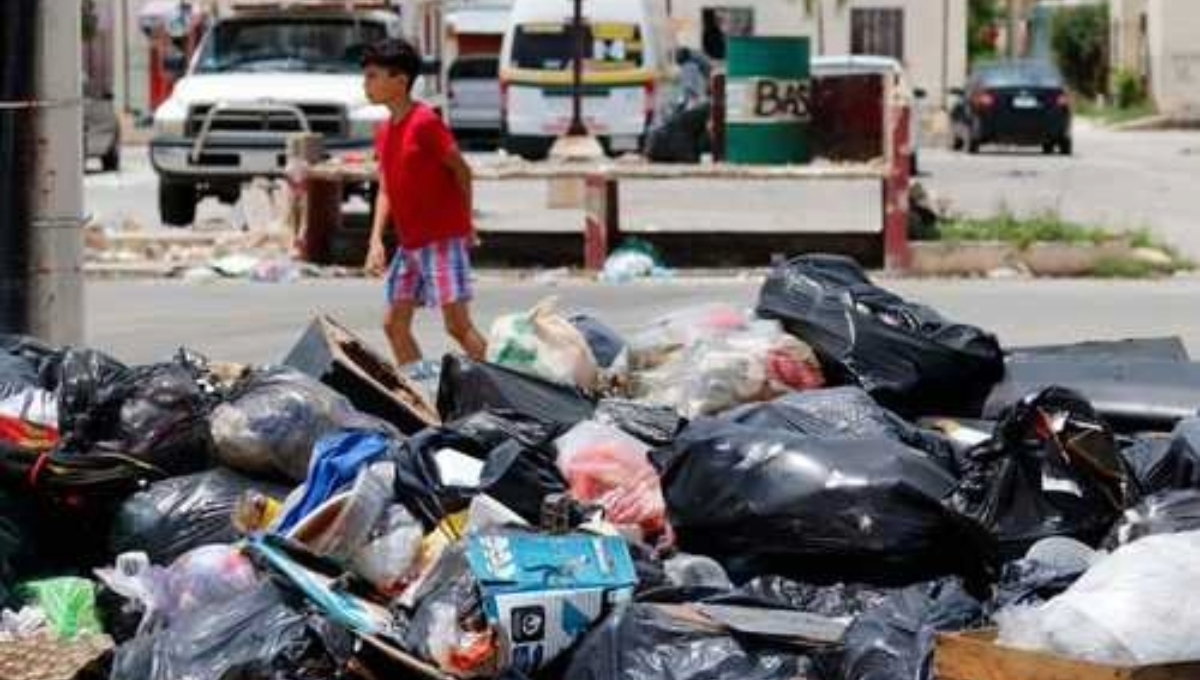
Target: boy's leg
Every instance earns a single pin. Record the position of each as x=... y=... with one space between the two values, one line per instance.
x=447 y=266
x=404 y=287
x=457 y=316
x=397 y=325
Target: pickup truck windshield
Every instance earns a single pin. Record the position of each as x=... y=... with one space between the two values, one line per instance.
x=303 y=44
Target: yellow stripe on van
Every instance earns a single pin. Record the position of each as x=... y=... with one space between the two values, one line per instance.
x=522 y=76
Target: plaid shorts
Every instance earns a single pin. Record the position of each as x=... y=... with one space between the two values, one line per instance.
x=436 y=275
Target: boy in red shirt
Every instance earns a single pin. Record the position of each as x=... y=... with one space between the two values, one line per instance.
x=425 y=193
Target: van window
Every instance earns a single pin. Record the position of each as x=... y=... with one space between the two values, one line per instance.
x=475 y=69
x=551 y=46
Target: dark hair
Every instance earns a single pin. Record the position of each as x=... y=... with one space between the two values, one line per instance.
x=397 y=56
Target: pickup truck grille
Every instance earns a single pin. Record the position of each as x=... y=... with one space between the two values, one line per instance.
x=326 y=119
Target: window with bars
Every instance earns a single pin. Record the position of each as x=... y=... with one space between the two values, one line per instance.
x=877 y=31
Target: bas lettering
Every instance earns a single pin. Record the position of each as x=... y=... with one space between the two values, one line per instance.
x=773 y=98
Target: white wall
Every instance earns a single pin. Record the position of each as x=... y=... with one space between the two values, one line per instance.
x=925 y=24
x=1175 y=56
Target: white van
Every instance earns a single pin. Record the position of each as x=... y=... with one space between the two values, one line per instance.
x=624 y=77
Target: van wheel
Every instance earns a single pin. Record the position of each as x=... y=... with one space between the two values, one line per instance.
x=1066 y=146
x=176 y=202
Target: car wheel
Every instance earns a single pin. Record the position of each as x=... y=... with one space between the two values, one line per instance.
x=1066 y=146
x=957 y=143
x=1049 y=147
x=176 y=202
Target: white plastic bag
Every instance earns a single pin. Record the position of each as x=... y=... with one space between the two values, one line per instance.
x=543 y=343
x=1135 y=607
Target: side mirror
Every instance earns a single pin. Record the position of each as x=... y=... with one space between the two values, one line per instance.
x=920 y=93
x=958 y=92
x=431 y=67
x=107 y=96
x=175 y=64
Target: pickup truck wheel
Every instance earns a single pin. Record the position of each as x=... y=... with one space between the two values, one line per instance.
x=176 y=202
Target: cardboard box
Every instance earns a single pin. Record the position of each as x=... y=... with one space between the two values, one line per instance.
x=542 y=593
x=976 y=656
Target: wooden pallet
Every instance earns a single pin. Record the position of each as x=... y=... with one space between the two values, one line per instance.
x=976 y=656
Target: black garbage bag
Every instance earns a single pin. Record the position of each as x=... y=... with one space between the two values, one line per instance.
x=1118 y=351
x=92 y=386
x=43 y=358
x=16 y=374
x=163 y=421
x=175 y=515
x=605 y=343
x=256 y=637
x=1167 y=512
x=468 y=387
x=1028 y=582
x=1132 y=396
x=843 y=412
x=269 y=424
x=837 y=600
x=905 y=355
x=896 y=640
x=1051 y=469
x=765 y=501
x=517 y=475
x=656 y=426
x=645 y=642
x=1160 y=463
x=489 y=429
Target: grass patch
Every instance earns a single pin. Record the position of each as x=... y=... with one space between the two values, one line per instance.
x=1022 y=232
x=1047 y=227
x=1128 y=268
x=1112 y=115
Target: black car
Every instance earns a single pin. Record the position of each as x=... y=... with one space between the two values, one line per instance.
x=1014 y=102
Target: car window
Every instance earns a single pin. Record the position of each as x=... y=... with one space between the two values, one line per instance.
x=1017 y=74
x=551 y=46
x=486 y=69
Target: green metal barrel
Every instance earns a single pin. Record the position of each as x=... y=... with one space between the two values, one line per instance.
x=767 y=99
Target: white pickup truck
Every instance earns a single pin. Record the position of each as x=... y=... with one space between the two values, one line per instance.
x=260 y=74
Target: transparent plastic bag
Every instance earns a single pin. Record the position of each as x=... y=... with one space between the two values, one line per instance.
x=388 y=559
x=271 y=426
x=668 y=335
x=756 y=363
x=543 y=343
x=1131 y=608
x=207 y=575
x=603 y=465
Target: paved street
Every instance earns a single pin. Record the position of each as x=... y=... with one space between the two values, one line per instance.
x=240 y=321
x=1123 y=180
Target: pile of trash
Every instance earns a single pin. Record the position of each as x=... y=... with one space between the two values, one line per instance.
x=813 y=489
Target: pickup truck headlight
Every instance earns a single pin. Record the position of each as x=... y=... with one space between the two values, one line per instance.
x=170 y=120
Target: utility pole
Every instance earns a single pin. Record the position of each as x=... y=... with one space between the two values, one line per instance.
x=18 y=106
x=1013 y=12
x=577 y=144
x=56 y=233
x=578 y=129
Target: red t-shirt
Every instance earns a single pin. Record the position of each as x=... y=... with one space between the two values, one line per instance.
x=427 y=205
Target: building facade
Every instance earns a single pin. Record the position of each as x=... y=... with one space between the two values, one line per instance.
x=928 y=36
x=1160 y=41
